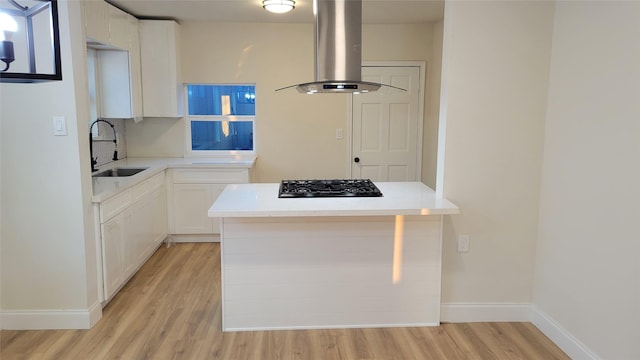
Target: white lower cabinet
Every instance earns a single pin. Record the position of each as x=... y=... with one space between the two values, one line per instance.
x=134 y=222
x=190 y=201
x=132 y=226
x=150 y=223
x=193 y=192
x=114 y=233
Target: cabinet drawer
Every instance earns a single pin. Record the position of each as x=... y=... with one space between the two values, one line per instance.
x=208 y=176
x=111 y=207
x=147 y=186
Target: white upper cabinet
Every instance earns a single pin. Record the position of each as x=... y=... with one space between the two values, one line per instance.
x=118 y=28
x=114 y=82
x=119 y=75
x=106 y=26
x=160 y=59
x=135 y=68
x=110 y=32
x=96 y=19
x=139 y=63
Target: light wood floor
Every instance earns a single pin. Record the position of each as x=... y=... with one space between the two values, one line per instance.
x=171 y=310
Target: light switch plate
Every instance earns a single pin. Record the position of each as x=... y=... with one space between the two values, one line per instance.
x=463 y=243
x=59 y=126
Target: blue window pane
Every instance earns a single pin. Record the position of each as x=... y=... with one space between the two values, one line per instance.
x=221 y=135
x=221 y=99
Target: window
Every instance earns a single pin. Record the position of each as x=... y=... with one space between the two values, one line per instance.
x=220 y=118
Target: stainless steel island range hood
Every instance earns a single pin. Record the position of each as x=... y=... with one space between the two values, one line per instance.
x=338 y=49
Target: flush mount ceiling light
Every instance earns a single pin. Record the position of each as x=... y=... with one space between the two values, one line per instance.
x=278 y=6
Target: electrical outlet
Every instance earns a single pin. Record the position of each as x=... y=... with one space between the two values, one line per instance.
x=463 y=243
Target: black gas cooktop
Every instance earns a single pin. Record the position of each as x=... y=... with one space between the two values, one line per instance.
x=328 y=188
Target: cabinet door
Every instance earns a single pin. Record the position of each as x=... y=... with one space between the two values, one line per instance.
x=161 y=84
x=199 y=178
x=191 y=204
x=134 y=69
x=129 y=250
x=96 y=19
x=118 y=28
x=143 y=228
x=112 y=254
x=159 y=217
x=115 y=84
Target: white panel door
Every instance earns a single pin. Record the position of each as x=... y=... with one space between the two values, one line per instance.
x=386 y=126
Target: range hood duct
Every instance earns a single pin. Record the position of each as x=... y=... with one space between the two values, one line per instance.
x=338 y=49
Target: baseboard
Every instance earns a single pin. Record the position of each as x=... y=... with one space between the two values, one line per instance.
x=51 y=319
x=193 y=238
x=325 y=327
x=561 y=337
x=474 y=312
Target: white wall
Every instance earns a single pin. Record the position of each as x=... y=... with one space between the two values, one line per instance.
x=155 y=137
x=588 y=257
x=295 y=133
x=48 y=255
x=495 y=71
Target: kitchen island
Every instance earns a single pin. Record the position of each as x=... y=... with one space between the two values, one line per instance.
x=333 y=262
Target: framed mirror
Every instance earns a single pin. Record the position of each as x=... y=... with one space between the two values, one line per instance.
x=29 y=41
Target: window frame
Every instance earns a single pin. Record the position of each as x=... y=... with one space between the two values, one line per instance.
x=189 y=152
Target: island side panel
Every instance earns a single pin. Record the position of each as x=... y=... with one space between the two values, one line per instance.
x=330 y=272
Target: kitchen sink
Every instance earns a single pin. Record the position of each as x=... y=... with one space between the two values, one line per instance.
x=119 y=172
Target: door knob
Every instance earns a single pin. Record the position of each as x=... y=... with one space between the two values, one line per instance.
x=356 y=159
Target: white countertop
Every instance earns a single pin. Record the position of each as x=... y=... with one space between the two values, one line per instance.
x=261 y=200
x=106 y=187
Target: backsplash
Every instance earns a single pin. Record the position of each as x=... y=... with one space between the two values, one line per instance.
x=104 y=149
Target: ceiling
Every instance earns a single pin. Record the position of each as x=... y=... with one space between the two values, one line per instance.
x=373 y=11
